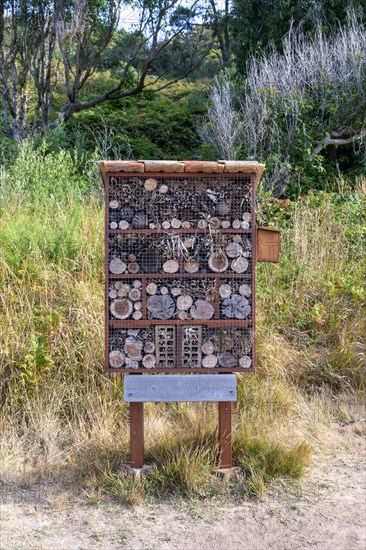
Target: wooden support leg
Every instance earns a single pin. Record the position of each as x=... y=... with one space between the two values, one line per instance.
x=225 y=414
x=137 y=434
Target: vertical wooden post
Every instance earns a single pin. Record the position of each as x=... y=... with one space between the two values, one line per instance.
x=137 y=435
x=225 y=420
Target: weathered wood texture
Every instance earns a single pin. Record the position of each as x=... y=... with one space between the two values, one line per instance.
x=225 y=434
x=180 y=387
x=268 y=245
x=136 y=433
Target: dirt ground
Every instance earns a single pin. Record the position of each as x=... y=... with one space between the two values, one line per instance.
x=327 y=510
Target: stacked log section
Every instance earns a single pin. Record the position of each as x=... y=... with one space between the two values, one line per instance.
x=125 y=299
x=171 y=253
x=235 y=299
x=180 y=299
x=236 y=307
x=161 y=307
x=133 y=349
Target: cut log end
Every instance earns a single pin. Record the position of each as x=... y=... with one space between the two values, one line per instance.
x=161 y=306
x=117 y=266
x=152 y=288
x=202 y=310
x=191 y=266
x=135 y=294
x=245 y=362
x=225 y=291
x=175 y=223
x=239 y=265
x=150 y=184
x=121 y=308
x=116 y=359
x=149 y=347
x=149 y=361
x=184 y=302
x=171 y=266
x=245 y=290
x=218 y=262
x=133 y=347
x=131 y=363
x=236 y=307
x=202 y=224
x=233 y=250
x=227 y=360
x=123 y=224
x=208 y=347
x=209 y=361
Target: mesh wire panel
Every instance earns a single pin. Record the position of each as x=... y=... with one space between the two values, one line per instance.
x=180 y=272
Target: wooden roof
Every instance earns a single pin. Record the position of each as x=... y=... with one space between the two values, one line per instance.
x=185 y=166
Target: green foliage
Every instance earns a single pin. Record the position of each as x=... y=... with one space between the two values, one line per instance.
x=264 y=461
x=320 y=286
x=259 y=25
x=35 y=176
x=156 y=125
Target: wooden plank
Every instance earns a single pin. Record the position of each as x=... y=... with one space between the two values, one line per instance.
x=198 y=275
x=218 y=323
x=137 y=433
x=192 y=230
x=225 y=443
x=177 y=387
x=268 y=245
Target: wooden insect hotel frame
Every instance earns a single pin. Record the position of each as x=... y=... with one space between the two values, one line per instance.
x=180 y=256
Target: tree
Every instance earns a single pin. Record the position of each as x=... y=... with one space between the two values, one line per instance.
x=258 y=25
x=219 y=21
x=299 y=106
x=45 y=43
x=223 y=127
x=27 y=48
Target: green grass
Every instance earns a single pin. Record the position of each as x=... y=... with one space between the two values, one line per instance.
x=264 y=461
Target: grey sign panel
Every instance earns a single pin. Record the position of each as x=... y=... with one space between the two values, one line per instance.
x=180 y=387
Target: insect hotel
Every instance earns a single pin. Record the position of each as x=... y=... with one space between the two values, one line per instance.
x=181 y=246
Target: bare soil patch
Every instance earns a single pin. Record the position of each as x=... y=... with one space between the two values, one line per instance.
x=326 y=510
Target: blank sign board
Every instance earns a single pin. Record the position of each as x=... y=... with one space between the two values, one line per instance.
x=180 y=387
